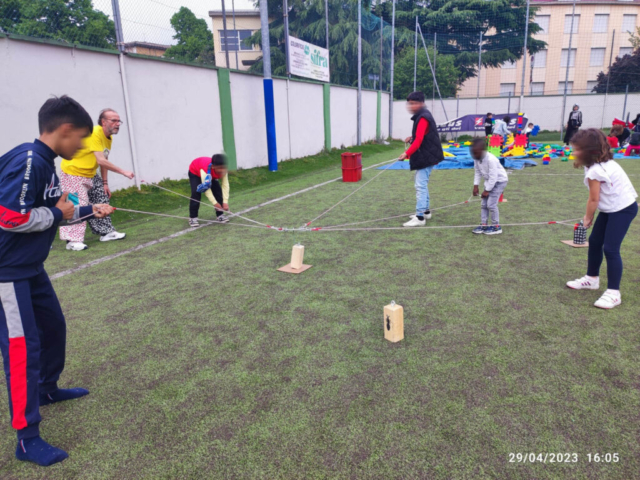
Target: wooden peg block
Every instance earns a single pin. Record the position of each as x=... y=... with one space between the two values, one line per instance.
x=297 y=255
x=393 y=322
x=296 y=265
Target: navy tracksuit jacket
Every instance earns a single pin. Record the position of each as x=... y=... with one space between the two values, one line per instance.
x=32 y=326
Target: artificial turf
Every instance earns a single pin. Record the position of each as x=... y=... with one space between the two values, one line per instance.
x=203 y=361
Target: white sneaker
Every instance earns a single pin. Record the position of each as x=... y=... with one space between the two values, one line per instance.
x=76 y=246
x=193 y=222
x=414 y=222
x=609 y=299
x=427 y=216
x=112 y=236
x=585 y=283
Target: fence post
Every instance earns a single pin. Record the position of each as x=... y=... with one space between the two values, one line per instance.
x=479 y=68
x=415 y=57
x=626 y=94
x=566 y=78
x=524 y=59
x=381 y=35
x=433 y=73
x=509 y=105
x=269 y=108
x=233 y=12
x=117 y=19
x=435 y=57
x=393 y=40
x=226 y=38
x=359 y=134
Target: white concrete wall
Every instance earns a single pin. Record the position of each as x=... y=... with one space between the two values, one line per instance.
x=247 y=99
x=31 y=72
x=344 y=116
x=542 y=111
x=176 y=113
x=175 y=108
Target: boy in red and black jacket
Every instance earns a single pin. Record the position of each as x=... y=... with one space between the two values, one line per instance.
x=424 y=153
x=32 y=325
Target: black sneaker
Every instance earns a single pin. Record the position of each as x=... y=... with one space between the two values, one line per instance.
x=193 y=222
x=479 y=229
x=493 y=230
x=222 y=219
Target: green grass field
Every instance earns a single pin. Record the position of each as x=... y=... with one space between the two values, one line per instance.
x=203 y=361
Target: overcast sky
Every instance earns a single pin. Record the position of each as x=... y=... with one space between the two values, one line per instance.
x=148 y=20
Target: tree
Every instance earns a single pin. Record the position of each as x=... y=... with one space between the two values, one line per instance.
x=195 y=41
x=446 y=73
x=458 y=25
x=634 y=38
x=623 y=72
x=72 y=21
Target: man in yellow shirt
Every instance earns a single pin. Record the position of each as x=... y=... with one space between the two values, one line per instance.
x=79 y=175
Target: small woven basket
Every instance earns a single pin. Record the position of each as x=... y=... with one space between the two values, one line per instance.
x=579 y=234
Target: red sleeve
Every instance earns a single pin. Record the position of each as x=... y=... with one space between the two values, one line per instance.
x=421 y=131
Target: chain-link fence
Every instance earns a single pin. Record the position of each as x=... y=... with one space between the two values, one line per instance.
x=475 y=48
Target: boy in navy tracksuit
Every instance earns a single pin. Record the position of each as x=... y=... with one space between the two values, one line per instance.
x=32 y=326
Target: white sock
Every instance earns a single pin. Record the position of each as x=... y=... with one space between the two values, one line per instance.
x=615 y=293
x=592 y=278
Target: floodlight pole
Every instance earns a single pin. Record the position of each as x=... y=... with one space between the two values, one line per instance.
x=393 y=39
x=269 y=108
x=117 y=19
x=326 y=22
x=381 y=34
x=566 y=78
x=626 y=94
x=285 y=15
x=524 y=59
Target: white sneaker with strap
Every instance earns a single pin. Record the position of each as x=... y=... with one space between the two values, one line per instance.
x=585 y=283
x=609 y=299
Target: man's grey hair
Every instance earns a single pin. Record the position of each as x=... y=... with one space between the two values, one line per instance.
x=102 y=114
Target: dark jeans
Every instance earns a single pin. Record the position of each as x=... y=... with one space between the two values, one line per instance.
x=571 y=131
x=196 y=197
x=608 y=232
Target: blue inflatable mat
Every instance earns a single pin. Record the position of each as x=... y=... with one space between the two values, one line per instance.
x=461 y=164
x=620 y=156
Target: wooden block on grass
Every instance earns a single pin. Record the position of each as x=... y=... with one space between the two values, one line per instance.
x=296 y=265
x=575 y=245
x=393 y=322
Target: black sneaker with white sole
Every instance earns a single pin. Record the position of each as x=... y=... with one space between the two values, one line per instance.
x=222 y=219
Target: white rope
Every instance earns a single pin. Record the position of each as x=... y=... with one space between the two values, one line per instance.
x=182 y=218
x=561 y=222
x=355 y=191
x=396 y=216
x=231 y=214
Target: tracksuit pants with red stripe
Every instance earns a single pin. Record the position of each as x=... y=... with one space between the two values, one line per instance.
x=32 y=339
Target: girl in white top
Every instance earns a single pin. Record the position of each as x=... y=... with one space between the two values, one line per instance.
x=611 y=192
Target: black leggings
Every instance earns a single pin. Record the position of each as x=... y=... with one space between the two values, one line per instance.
x=571 y=131
x=196 y=197
x=606 y=237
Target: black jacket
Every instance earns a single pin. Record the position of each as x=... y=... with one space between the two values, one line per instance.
x=430 y=151
x=576 y=123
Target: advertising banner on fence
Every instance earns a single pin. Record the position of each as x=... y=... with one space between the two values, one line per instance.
x=308 y=60
x=475 y=123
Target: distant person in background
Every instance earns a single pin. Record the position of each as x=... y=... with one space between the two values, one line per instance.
x=488 y=124
x=573 y=124
x=622 y=133
x=209 y=176
x=612 y=138
x=636 y=121
x=501 y=127
x=424 y=154
x=80 y=176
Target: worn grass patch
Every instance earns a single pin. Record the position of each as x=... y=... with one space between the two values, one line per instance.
x=203 y=361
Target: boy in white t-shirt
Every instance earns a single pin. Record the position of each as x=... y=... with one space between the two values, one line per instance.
x=486 y=166
x=611 y=192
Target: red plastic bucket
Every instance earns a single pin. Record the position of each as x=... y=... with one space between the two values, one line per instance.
x=352 y=174
x=351 y=160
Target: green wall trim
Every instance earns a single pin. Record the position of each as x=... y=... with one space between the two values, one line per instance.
x=379 y=118
x=326 y=95
x=226 y=115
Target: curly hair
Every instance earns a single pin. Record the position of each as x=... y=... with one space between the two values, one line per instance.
x=594 y=147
